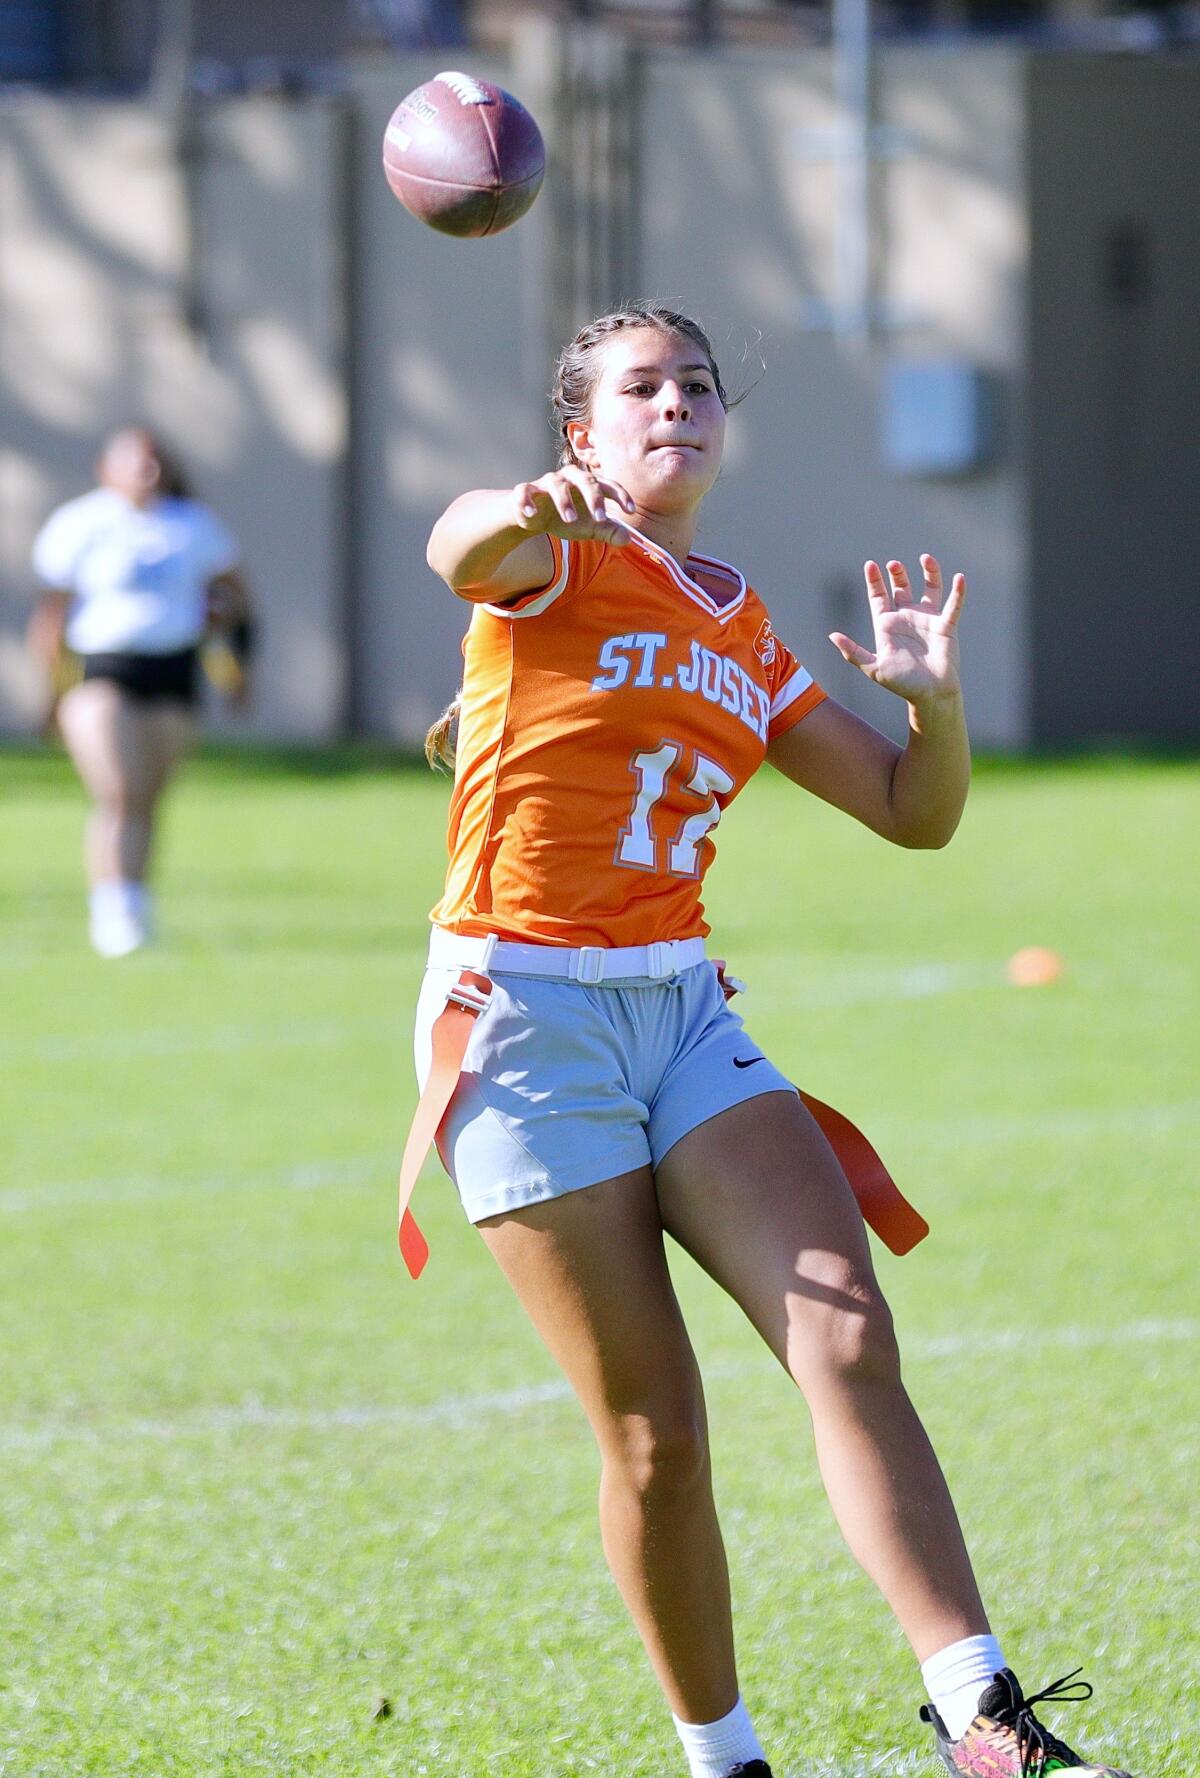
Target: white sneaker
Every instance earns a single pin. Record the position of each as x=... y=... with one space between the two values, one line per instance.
x=140 y=904
x=116 y=924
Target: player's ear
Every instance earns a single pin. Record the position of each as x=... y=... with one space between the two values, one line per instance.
x=580 y=440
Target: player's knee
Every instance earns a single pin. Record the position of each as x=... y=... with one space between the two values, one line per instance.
x=660 y=1455
x=128 y=802
x=855 y=1343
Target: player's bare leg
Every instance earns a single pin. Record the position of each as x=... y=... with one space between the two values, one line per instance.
x=125 y=753
x=104 y=734
x=168 y=734
x=125 y=756
x=757 y=1198
x=591 y=1273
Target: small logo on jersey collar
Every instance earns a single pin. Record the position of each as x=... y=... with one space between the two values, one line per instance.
x=764 y=643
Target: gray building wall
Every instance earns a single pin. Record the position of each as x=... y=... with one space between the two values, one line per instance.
x=212 y=310
x=333 y=373
x=442 y=403
x=1114 y=442
x=735 y=224
x=739 y=221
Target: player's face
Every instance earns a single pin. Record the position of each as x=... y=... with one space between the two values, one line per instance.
x=657 y=424
x=131 y=465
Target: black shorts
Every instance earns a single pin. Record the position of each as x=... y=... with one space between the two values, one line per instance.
x=150 y=678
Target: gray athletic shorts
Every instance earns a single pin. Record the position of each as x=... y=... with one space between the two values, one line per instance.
x=566 y=1084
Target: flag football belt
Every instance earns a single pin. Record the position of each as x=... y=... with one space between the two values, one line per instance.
x=588 y=965
x=882 y=1204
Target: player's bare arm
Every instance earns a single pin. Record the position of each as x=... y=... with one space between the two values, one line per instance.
x=47 y=623
x=912 y=796
x=496 y=539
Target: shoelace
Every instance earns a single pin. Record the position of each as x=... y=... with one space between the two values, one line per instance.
x=1036 y=1742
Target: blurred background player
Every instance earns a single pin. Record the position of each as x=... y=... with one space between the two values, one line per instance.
x=619 y=691
x=137 y=575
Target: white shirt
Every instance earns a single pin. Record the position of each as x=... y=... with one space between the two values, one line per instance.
x=139 y=575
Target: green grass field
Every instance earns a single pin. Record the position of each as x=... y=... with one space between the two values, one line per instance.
x=256 y=1480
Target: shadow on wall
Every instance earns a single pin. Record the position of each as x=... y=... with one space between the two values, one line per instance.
x=746 y=145
x=109 y=247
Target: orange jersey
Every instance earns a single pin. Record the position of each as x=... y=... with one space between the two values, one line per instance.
x=607 y=721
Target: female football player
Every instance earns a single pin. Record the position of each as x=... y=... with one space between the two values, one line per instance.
x=620 y=688
x=136 y=574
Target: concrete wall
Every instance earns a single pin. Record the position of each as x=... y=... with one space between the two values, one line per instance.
x=737 y=227
x=445 y=399
x=1115 y=370
x=333 y=373
x=738 y=224
x=215 y=317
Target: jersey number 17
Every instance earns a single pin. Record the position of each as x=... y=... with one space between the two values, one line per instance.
x=639 y=847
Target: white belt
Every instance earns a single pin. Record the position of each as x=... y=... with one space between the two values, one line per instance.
x=588 y=963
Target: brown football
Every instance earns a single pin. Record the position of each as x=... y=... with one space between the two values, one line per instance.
x=463 y=155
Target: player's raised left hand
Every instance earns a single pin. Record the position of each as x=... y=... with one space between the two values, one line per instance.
x=916 y=648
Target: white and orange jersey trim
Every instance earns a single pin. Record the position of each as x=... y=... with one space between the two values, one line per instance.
x=607 y=721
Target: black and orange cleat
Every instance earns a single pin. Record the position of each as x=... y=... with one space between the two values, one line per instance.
x=1006 y=1740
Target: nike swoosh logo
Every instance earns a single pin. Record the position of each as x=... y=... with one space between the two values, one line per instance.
x=748 y=1061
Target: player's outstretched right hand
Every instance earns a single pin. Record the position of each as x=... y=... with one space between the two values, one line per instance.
x=572 y=502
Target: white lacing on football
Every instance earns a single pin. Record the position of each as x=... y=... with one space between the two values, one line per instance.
x=466 y=90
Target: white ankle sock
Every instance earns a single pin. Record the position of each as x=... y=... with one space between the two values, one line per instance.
x=714 y=1748
x=955 y=1676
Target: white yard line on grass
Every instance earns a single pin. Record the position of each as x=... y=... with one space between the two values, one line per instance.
x=465 y=1411
x=961 y=1132
x=866 y=985
x=1018 y=1126
x=306 y=1176
x=854 y=985
x=1151 y=1331
x=185 y=1040
x=881 y=1765
x=915 y=981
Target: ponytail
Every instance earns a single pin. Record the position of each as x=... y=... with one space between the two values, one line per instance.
x=439 y=741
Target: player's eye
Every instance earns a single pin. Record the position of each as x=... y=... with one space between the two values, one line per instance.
x=701 y=388
x=640 y=389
